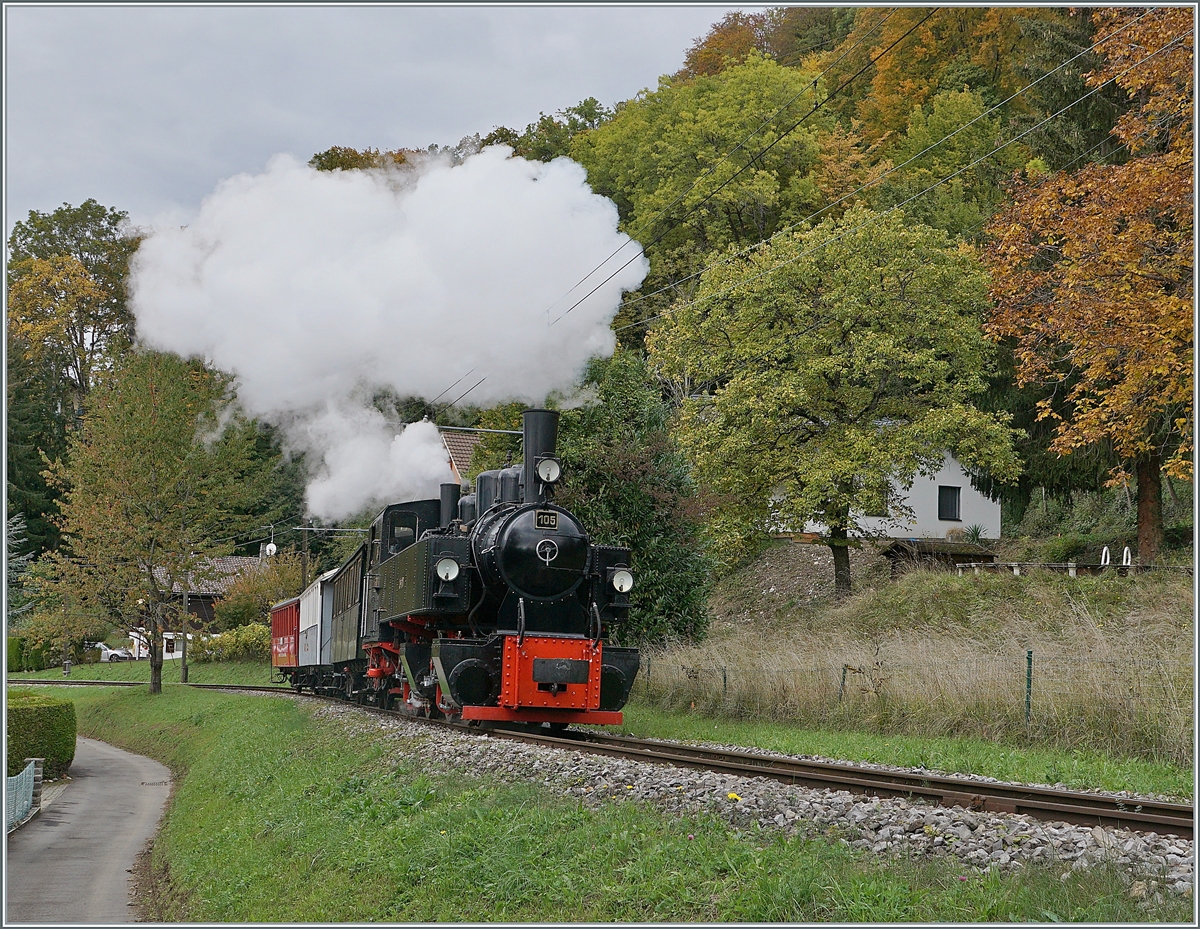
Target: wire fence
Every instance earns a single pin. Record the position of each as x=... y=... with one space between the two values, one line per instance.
x=1136 y=705
x=18 y=799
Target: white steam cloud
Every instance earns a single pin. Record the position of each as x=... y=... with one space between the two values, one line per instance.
x=318 y=288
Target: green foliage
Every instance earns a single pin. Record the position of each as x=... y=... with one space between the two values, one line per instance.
x=550 y=137
x=340 y=158
x=24 y=655
x=40 y=726
x=963 y=205
x=250 y=597
x=822 y=368
x=629 y=484
x=251 y=642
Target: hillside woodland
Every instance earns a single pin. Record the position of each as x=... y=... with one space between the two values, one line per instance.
x=873 y=234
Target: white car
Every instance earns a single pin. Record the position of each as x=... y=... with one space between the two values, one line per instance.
x=115 y=654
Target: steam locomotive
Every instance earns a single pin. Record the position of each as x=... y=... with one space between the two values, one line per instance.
x=489 y=606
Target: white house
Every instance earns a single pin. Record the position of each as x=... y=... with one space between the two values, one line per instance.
x=139 y=644
x=941 y=503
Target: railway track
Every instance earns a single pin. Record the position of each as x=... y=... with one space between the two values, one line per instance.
x=1043 y=803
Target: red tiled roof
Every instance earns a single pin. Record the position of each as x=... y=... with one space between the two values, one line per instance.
x=460 y=445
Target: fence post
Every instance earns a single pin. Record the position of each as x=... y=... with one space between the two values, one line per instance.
x=842 y=687
x=1028 y=685
x=724 y=682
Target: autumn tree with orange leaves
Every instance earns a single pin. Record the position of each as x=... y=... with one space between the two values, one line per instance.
x=1092 y=271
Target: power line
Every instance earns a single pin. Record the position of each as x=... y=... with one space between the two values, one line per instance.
x=871 y=183
x=921 y=193
x=752 y=160
x=713 y=168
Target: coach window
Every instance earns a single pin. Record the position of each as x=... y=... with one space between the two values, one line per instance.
x=948 y=503
x=403 y=531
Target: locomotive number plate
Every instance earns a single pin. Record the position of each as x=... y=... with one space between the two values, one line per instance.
x=546 y=519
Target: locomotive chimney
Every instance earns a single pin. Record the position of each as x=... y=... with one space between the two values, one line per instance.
x=541 y=440
x=450 y=495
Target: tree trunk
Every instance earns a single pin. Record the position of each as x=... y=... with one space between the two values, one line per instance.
x=841 y=561
x=1149 y=504
x=156 y=656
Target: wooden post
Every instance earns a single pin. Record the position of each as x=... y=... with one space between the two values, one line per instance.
x=304 y=560
x=183 y=669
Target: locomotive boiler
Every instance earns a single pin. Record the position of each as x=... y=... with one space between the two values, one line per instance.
x=490 y=606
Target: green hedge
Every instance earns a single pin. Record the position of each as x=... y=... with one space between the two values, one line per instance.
x=251 y=642
x=40 y=727
x=23 y=656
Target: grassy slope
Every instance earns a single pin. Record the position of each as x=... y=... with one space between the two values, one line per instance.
x=277 y=816
x=945 y=655
x=228 y=672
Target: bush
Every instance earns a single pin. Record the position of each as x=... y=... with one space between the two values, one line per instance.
x=40 y=727
x=251 y=642
x=24 y=656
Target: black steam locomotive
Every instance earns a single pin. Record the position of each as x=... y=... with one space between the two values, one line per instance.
x=490 y=606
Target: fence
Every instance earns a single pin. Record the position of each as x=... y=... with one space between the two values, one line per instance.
x=19 y=797
x=1140 y=706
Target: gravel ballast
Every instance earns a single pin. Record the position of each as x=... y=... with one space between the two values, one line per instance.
x=888 y=827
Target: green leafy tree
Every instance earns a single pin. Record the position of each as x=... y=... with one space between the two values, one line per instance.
x=662 y=160
x=819 y=370
x=67 y=321
x=550 y=137
x=625 y=478
x=155 y=484
x=250 y=597
x=962 y=205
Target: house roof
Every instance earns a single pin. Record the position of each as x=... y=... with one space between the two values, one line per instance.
x=214 y=577
x=460 y=445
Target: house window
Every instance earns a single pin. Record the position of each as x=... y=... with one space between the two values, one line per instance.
x=948 y=503
x=170 y=643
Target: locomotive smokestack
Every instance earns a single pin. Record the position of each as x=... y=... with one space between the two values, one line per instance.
x=541 y=441
x=450 y=495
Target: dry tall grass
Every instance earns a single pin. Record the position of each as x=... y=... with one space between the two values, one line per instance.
x=935 y=654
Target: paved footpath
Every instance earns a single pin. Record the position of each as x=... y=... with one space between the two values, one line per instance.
x=69 y=864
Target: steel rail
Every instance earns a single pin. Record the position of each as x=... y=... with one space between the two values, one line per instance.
x=1042 y=803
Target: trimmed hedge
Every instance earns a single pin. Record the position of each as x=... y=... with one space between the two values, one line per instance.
x=40 y=727
x=251 y=642
x=23 y=656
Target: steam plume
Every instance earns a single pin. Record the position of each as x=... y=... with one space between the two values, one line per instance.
x=318 y=289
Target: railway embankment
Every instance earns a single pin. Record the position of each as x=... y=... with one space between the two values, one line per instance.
x=1102 y=663
x=288 y=802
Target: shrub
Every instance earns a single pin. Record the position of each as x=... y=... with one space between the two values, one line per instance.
x=40 y=727
x=251 y=642
x=23 y=655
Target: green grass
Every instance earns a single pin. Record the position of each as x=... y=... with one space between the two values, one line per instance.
x=217 y=672
x=1076 y=769
x=277 y=816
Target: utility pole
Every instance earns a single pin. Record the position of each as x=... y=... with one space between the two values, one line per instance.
x=304 y=560
x=187 y=589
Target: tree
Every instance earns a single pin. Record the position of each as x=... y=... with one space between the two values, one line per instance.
x=663 y=160
x=67 y=319
x=1092 y=273
x=818 y=371
x=963 y=204
x=550 y=137
x=36 y=434
x=250 y=597
x=153 y=487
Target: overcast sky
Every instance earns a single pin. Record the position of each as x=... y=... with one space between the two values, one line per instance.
x=146 y=108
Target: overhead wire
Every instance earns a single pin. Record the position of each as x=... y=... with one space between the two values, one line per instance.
x=752 y=160
x=871 y=183
x=878 y=216
x=713 y=168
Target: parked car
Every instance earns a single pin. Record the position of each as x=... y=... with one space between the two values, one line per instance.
x=115 y=654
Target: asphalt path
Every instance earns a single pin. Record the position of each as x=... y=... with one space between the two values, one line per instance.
x=70 y=863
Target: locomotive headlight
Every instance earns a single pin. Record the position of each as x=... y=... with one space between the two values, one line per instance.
x=623 y=581
x=548 y=470
x=447 y=569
